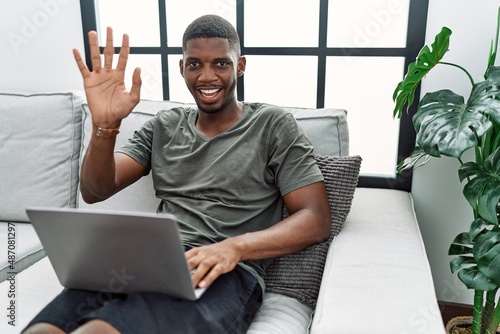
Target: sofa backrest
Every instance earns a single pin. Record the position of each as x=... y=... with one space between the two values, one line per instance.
x=326 y=128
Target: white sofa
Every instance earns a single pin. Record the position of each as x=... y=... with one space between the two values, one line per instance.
x=375 y=279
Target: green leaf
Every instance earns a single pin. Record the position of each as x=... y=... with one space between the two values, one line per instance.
x=417 y=155
x=483 y=190
x=485 y=95
x=473 y=278
x=461 y=245
x=461 y=262
x=426 y=60
x=459 y=250
x=445 y=125
x=466 y=264
x=477 y=227
x=487 y=252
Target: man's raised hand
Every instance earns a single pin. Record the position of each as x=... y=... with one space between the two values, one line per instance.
x=108 y=100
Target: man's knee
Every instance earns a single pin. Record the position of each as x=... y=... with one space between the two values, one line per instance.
x=96 y=326
x=43 y=328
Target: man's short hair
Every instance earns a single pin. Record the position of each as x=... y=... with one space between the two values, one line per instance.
x=212 y=26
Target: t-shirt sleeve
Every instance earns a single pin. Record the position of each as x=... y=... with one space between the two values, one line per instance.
x=139 y=146
x=291 y=156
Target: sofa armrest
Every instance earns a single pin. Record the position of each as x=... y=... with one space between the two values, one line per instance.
x=377 y=277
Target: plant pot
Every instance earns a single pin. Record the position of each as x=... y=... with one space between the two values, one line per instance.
x=461 y=325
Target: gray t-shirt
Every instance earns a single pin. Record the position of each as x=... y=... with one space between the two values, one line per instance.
x=229 y=184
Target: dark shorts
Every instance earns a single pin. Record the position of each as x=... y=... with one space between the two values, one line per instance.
x=228 y=306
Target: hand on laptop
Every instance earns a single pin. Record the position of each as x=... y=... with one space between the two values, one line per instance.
x=211 y=261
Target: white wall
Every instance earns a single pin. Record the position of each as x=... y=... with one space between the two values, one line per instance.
x=37 y=36
x=36 y=42
x=441 y=208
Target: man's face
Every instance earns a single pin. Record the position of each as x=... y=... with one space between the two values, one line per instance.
x=210 y=69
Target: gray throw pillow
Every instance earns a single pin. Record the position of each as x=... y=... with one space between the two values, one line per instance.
x=40 y=139
x=299 y=275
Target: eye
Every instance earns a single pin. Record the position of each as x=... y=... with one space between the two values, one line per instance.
x=193 y=64
x=222 y=64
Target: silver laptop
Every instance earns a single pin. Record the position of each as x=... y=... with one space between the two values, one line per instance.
x=118 y=252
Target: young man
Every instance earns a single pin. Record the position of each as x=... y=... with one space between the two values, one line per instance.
x=223 y=169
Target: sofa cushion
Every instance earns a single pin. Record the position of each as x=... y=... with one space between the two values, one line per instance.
x=40 y=151
x=299 y=275
x=22 y=248
x=326 y=128
x=377 y=277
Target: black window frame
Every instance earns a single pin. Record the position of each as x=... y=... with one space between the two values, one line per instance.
x=415 y=41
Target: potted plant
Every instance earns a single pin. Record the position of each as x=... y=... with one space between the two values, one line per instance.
x=446 y=125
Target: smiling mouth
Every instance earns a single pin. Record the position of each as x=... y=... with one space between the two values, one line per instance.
x=208 y=93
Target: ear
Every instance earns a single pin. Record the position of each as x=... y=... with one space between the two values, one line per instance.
x=181 y=67
x=242 y=62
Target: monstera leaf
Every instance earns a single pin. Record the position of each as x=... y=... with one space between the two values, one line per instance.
x=418 y=155
x=445 y=125
x=485 y=96
x=487 y=252
x=426 y=60
x=466 y=265
x=483 y=190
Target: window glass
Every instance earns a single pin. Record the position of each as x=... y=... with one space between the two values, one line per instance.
x=281 y=23
x=138 y=19
x=367 y=23
x=282 y=80
x=150 y=65
x=181 y=13
x=364 y=86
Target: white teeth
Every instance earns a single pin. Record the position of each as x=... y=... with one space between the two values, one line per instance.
x=209 y=91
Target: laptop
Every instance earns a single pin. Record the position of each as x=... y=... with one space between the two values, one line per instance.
x=115 y=251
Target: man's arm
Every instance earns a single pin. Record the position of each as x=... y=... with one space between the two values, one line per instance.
x=309 y=223
x=104 y=173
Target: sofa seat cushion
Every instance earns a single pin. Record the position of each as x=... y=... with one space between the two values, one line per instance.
x=299 y=275
x=40 y=152
x=378 y=278
x=22 y=248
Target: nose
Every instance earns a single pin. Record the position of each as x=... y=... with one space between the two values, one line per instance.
x=207 y=74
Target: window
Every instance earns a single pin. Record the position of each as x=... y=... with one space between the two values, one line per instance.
x=313 y=53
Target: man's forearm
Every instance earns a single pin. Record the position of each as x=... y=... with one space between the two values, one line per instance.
x=295 y=233
x=302 y=229
x=98 y=172
x=309 y=223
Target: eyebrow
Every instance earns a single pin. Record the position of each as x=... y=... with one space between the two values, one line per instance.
x=225 y=59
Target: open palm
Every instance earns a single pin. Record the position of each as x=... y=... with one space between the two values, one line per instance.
x=107 y=97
